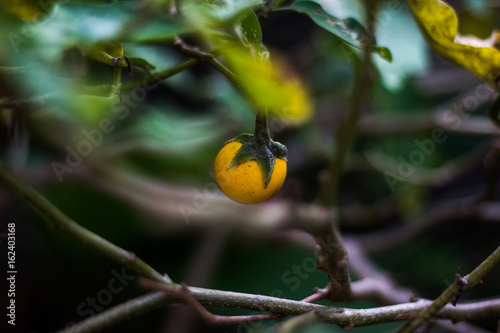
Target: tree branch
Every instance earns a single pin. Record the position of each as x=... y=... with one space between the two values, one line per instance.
x=348 y=126
x=344 y=317
x=183 y=293
x=470 y=280
x=160 y=76
x=208 y=58
x=333 y=257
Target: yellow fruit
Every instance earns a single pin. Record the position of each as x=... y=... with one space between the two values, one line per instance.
x=244 y=183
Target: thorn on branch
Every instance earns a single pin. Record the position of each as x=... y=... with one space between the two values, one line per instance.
x=190 y=50
x=403 y=316
x=348 y=327
x=130 y=256
x=318 y=294
x=462 y=282
x=413 y=297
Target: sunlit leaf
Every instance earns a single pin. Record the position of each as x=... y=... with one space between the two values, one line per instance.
x=269 y=84
x=439 y=23
x=349 y=29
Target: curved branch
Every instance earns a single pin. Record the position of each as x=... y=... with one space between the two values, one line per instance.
x=159 y=76
x=344 y=317
x=209 y=58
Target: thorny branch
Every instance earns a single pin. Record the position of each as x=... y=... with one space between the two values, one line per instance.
x=184 y=294
x=277 y=307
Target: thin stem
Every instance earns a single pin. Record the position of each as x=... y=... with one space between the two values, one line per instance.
x=160 y=76
x=318 y=294
x=117 y=76
x=61 y=221
x=261 y=133
x=124 y=311
x=333 y=257
x=208 y=58
x=216 y=64
x=185 y=295
x=117 y=82
x=471 y=279
x=343 y=317
x=348 y=126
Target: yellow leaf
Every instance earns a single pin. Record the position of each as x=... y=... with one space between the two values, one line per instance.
x=439 y=24
x=269 y=84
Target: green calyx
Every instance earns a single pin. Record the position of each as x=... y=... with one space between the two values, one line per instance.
x=259 y=147
x=264 y=152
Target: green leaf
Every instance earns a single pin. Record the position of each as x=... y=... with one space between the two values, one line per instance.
x=384 y=53
x=251 y=30
x=349 y=29
x=439 y=24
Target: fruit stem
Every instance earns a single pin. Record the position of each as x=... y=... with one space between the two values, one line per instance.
x=117 y=81
x=261 y=133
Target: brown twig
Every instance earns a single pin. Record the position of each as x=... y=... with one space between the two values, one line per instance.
x=333 y=257
x=206 y=57
x=183 y=293
x=343 y=317
x=318 y=294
